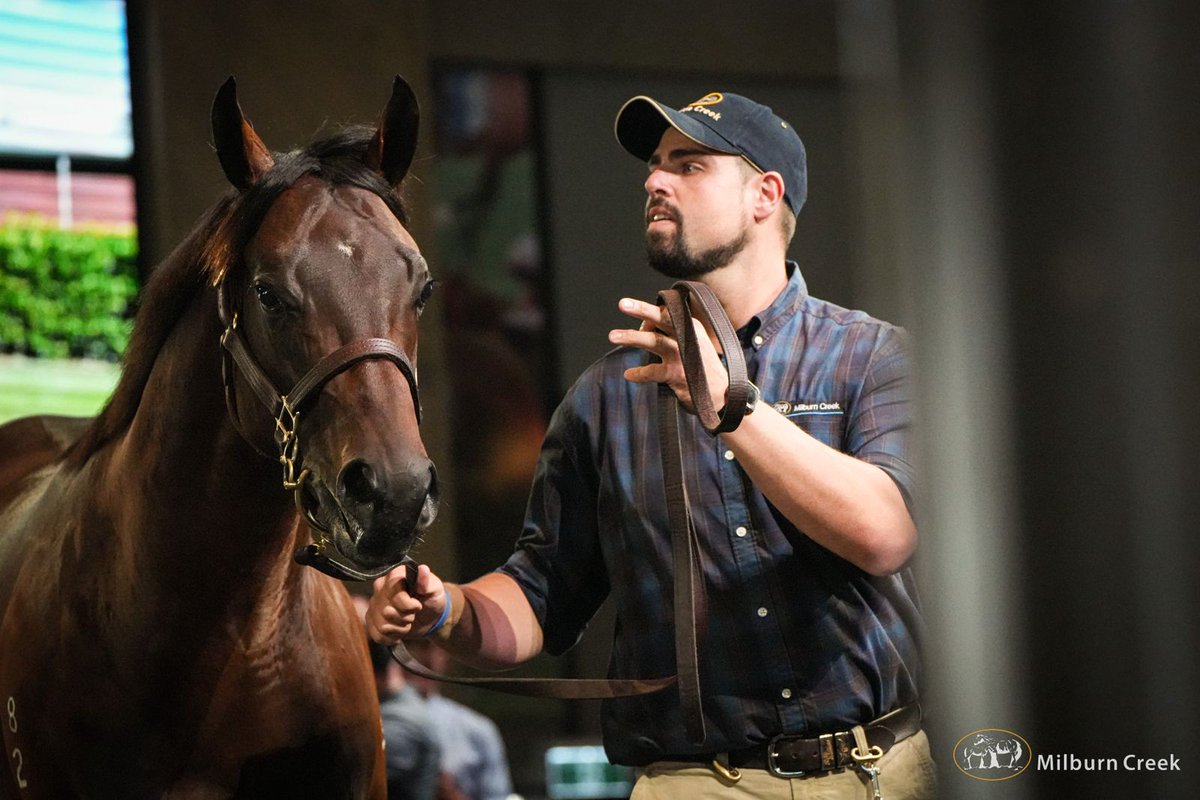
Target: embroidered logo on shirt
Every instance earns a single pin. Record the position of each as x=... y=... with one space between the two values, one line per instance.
x=799 y=408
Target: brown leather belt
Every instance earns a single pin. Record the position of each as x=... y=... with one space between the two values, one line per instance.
x=794 y=756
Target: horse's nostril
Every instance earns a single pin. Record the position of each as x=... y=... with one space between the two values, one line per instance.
x=358 y=482
x=433 y=483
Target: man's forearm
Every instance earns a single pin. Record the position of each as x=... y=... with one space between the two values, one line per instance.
x=846 y=505
x=491 y=625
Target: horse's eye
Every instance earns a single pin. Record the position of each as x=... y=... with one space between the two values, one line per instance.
x=267 y=298
x=426 y=293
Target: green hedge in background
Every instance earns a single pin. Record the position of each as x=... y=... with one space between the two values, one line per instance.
x=65 y=292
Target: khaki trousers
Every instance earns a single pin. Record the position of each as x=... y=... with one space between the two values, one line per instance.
x=906 y=772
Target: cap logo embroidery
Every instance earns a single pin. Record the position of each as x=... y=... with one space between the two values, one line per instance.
x=700 y=106
x=710 y=99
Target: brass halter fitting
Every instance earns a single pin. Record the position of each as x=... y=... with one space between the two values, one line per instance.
x=286 y=425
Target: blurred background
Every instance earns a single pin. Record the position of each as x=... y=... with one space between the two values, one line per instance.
x=1015 y=182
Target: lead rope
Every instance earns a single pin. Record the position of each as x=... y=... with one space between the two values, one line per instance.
x=683 y=301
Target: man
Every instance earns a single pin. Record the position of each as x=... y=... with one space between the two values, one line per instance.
x=803 y=513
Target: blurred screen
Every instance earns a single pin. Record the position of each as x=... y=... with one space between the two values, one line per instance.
x=64 y=78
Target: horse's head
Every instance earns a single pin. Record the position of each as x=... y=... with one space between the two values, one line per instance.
x=321 y=303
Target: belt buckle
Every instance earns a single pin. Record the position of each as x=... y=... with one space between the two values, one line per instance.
x=828 y=756
x=774 y=768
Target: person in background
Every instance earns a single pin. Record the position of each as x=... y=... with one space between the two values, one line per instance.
x=412 y=749
x=474 y=762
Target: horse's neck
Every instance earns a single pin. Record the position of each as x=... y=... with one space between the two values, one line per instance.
x=196 y=509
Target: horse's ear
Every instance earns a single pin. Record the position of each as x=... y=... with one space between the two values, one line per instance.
x=395 y=141
x=243 y=155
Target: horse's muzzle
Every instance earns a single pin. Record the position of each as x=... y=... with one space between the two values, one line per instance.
x=368 y=524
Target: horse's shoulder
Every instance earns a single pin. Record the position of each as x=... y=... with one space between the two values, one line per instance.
x=30 y=443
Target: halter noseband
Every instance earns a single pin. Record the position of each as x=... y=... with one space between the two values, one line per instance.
x=285 y=408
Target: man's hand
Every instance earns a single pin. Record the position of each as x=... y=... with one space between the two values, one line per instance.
x=656 y=335
x=398 y=611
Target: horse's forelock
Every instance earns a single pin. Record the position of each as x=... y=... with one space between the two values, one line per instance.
x=341 y=161
x=336 y=159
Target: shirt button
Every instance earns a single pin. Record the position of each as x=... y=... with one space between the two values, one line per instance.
x=762 y=612
x=786 y=694
x=758 y=340
x=729 y=455
x=741 y=530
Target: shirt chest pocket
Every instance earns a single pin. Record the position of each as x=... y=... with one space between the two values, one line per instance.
x=827 y=428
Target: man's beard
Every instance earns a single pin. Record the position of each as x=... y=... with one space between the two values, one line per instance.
x=670 y=257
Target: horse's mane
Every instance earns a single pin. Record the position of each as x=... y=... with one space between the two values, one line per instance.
x=210 y=254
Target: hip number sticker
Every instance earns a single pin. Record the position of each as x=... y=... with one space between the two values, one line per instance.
x=16 y=753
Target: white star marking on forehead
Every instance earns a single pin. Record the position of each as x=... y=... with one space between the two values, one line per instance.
x=346 y=248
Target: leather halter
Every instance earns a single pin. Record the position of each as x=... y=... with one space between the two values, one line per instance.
x=683 y=300
x=286 y=408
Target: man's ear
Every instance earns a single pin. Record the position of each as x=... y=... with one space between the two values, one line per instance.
x=770 y=195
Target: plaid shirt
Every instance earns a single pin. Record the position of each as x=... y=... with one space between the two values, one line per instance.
x=797 y=639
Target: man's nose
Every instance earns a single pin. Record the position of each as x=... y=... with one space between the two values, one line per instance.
x=657 y=182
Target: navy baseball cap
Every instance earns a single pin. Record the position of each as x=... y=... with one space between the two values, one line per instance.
x=727 y=123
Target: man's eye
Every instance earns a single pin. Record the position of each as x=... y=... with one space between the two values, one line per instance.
x=426 y=293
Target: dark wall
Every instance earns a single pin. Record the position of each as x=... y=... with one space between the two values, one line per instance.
x=320 y=64
x=1098 y=175
x=762 y=39
x=1054 y=251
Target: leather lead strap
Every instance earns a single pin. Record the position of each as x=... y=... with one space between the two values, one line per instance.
x=688 y=299
x=682 y=301
x=555 y=688
x=688 y=589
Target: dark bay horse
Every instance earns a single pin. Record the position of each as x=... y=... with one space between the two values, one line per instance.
x=157 y=638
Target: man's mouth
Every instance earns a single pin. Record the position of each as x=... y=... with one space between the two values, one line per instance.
x=659 y=214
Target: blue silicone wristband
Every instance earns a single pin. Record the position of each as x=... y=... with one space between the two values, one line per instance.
x=437 y=626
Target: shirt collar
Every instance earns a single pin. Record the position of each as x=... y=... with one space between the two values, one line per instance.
x=758 y=330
